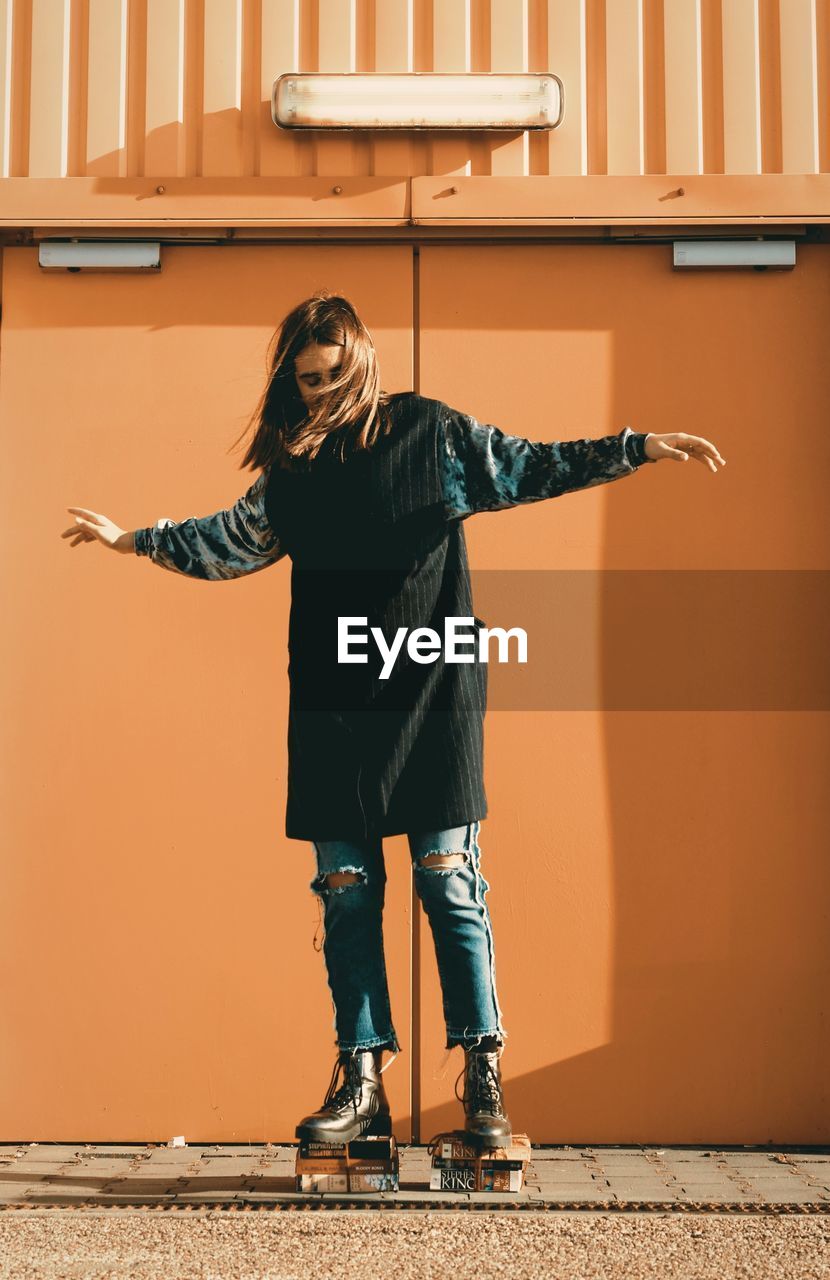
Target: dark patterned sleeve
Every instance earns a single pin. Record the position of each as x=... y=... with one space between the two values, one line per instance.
x=227 y=544
x=486 y=470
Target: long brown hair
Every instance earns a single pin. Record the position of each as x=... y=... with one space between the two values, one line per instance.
x=353 y=413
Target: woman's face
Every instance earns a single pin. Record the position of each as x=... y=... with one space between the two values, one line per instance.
x=315 y=367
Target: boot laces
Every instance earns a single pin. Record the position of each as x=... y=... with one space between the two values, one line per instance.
x=351 y=1090
x=482 y=1087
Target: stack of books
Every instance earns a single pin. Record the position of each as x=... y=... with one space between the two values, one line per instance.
x=369 y=1163
x=459 y=1166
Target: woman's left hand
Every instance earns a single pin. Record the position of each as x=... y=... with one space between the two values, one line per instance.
x=680 y=446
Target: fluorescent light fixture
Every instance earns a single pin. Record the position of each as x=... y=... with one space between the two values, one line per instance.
x=778 y=255
x=417 y=100
x=99 y=255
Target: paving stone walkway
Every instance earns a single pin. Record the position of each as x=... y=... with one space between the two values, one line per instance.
x=34 y=1174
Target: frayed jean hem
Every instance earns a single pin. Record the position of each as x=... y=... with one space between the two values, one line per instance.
x=468 y=1039
x=389 y=1042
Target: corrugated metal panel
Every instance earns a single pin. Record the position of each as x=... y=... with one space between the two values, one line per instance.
x=131 y=88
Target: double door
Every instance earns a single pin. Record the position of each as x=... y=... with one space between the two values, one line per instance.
x=658 y=958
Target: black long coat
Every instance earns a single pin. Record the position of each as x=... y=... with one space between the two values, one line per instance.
x=372 y=538
x=380 y=537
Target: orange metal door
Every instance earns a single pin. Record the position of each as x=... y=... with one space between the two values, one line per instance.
x=659 y=878
x=159 y=924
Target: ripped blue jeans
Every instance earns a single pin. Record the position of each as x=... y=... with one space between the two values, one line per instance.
x=453 y=899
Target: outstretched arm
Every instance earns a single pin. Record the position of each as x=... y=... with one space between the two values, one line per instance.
x=226 y=544
x=486 y=470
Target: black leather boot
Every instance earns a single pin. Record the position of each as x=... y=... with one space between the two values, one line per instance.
x=359 y=1106
x=486 y=1123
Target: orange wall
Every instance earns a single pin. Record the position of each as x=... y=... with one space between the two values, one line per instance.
x=680 y=87
x=659 y=878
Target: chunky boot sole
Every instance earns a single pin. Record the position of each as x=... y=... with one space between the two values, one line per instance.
x=485 y=1142
x=375 y=1126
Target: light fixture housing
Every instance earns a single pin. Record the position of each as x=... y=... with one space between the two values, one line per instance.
x=99 y=255
x=417 y=100
x=762 y=255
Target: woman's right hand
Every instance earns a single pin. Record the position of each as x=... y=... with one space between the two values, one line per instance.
x=89 y=526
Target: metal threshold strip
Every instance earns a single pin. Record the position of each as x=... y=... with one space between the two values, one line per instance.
x=393 y=1202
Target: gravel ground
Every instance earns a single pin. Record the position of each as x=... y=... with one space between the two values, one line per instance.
x=413 y=1246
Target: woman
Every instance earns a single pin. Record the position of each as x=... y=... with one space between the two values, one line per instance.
x=367 y=492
